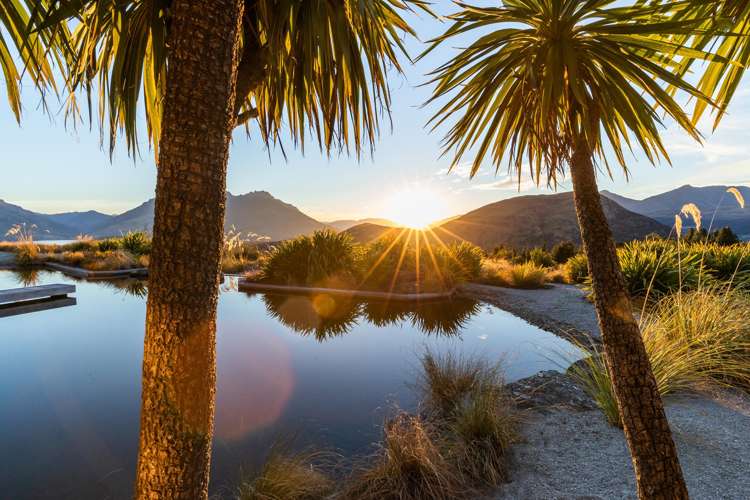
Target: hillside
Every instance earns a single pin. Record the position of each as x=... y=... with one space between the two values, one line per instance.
x=344 y=224
x=538 y=220
x=663 y=207
x=47 y=228
x=256 y=212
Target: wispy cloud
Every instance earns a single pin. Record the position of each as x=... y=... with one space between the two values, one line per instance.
x=505 y=183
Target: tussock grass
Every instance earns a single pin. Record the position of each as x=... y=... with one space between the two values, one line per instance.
x=502 y=273
x=395 y=262
x=467 y=399
x=409 y=466
x=692 y=339
x=289 y=476
x=576 y=269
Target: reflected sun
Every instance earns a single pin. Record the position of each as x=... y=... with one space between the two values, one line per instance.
x=415 y=208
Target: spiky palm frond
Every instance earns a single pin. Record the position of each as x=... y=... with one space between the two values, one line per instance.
x=725 y=31
x=545 y=75
x=38 y=51
x=306 y=65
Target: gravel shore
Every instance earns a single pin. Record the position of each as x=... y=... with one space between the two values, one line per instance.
x=569 y=453
x=560 y=309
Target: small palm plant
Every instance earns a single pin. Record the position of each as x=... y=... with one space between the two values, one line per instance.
x=556 y=85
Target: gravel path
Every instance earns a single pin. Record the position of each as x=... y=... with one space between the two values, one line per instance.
x=570 y=453
x=560 y=309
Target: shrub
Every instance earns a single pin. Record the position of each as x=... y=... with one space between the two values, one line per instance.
x=288 y=476
x=526 y=275
x=82 y=245
x=409 y=466
x=331 y=255
x=468 y=260
x=657 y=268
x=136 y=242
x=108 y=244
x=541 y=257
x=502 y=273
x=563 y=251
x=577 y=268
x=108 y=261
x=26 y=254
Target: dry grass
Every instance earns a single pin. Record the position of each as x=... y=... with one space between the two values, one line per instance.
x=503 y=273
x=468 y=401
x=692 y=339
x=289 y=476
x=409 y=466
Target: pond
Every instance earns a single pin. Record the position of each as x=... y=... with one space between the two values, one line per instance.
x=324 y=371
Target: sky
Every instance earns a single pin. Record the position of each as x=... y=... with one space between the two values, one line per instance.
x=48 y=167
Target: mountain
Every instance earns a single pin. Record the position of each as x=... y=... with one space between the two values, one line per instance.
x=256 y=212
x=46 y=228
x=344 y=224
x=367 y=231
x=83 y=222
x=140 y=218
x=260 y=213
x=540 y=220
x=710 y=200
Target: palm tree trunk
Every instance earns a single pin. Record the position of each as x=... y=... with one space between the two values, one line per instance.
x=657 y=468
x=178 y=383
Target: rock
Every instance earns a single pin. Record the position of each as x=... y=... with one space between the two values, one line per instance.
x=550 y=389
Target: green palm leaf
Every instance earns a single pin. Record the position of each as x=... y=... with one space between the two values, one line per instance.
x=547 y=73
x=39 y=52
x=308 y=67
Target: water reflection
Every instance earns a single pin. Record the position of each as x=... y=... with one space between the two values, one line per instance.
x=325 y=316
x=131 y=287
x=26 y=277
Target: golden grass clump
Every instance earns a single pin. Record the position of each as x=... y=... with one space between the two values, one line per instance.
x=692 y=339
x=289 y=476
x=467 y=399
x=409 y=466
x=502 y=273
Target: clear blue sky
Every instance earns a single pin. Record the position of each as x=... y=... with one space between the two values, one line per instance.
x=50 y=169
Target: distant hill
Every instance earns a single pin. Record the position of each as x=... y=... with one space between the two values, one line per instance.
x=344 y=224
x=664 y=206
x=47 y=228
x=260 y=213
x=84 y=222
x=256 y=212
x=140 y=218
x=539 y=220
x=367 y=232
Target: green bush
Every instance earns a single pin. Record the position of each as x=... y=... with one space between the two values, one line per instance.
x=108 y=244
x=541 y=257
x=136 y=242
x=468 y=259
x=657 y=268
x=287 y=263
x=577 y=269
x=563 y=251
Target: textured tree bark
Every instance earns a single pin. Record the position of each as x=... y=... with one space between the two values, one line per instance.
x=657 y=468
x=178 y=382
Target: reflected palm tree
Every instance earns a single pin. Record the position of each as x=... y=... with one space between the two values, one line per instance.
x=129 y=286
x=321 y=315
x=325 y=316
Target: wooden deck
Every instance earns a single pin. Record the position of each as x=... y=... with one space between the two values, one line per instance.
x=35 y=298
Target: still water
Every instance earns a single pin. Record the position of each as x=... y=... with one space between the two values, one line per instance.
x=324 y=371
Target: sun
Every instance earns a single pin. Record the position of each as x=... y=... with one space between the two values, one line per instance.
x=415 y=208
